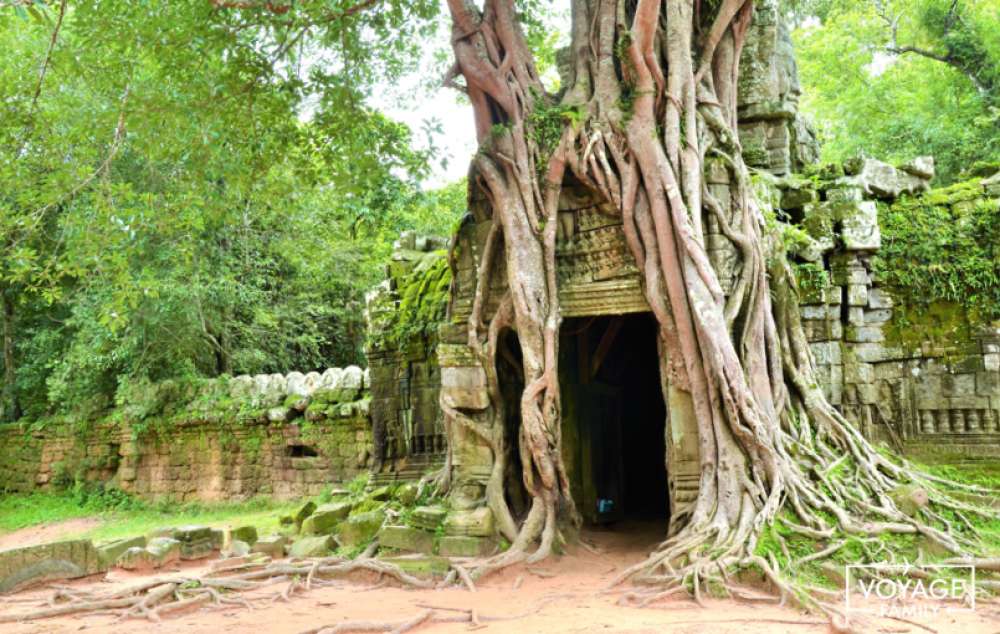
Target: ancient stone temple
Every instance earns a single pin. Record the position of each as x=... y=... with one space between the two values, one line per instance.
x=619 y=418
x=926 y=385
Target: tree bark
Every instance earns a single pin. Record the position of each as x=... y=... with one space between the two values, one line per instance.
x=651 y=102
x=11 y=409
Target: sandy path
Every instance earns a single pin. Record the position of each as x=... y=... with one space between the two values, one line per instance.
x=565 y=603
x=53 y=532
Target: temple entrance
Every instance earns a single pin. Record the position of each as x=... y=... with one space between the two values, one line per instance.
x=613 y=417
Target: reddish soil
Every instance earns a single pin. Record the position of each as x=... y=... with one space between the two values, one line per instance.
x=47 y=532
x=567 y=602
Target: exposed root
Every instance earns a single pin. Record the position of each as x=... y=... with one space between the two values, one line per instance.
x=157 y=597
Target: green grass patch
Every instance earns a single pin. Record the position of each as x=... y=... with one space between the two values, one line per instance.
x=124 y=516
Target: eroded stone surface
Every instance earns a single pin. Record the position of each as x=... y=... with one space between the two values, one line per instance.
x=23 y=567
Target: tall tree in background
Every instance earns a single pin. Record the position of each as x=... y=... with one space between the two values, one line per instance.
x=901 y=78
x=651 y=101
x=194 y=188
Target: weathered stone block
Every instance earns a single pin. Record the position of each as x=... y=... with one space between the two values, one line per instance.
x=303 y=512
x=464 y=546
x=406 y=538
x=246 y=534
x=846 y=194
x=864 y=334
x=271 y=545
x=859 y=226
x=826 y=353
x=160 y=552
x=237 y=548
x=23 y=567
x=407 y=493
x=797 y=197
x=877 y=316
x=424 y=566
x=859 y=373
x=476 y=522
x=360 y=529
x=111 y=551
x=318 y=546
x=988 y=383
x=428 y=517
x=325 y=519
x=191 y=533
x=878 y=298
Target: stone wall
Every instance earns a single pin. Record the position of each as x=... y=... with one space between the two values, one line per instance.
x=403 y=313
x=272 y=435
x=938 y=399
x=774 y=135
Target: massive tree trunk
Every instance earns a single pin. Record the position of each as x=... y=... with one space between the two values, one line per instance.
x=651 y=102
x=9 y=407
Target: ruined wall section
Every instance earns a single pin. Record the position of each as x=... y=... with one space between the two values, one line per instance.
x=774 y=134
x=935 y=398
x=403 y=314
x=281 y=436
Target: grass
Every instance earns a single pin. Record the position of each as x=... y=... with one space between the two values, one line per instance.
x=123 y=516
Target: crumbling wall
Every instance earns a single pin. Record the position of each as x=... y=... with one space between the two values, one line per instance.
x=935 y=397
x=775 y=136
x=282 y=436
x=404 y=313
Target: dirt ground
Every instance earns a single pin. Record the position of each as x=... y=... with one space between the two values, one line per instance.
x=562 y=595
x=47 y=532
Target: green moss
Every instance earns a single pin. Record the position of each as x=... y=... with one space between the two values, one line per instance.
x=938 y=251
x=423 y=300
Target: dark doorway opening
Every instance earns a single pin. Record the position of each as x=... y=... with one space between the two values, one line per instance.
x=510 y=376
x=614 y=417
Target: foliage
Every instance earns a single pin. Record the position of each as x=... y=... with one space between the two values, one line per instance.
x=423 y=299
x=865 y=99
x=192 y=190
x=943 y=247
x=119 y=515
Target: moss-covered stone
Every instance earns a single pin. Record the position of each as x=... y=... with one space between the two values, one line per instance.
x=326 y=517
x=465 y=546
x=360 y=529
x=406 y=538
x=317 y=546
x=424 y=566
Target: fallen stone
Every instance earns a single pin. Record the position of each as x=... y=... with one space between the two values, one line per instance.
x=246 y=534
x=111 y=551
x=407 y=493
x=191 y=533
x=271 y=545
x=197 y=550
x=473 y=523
x=326 y=517
x=406 y=538
x=23 y=567
x=160 y=552
x=883 y=180
x=237 y=548
x=360 y=529
x=464 y=546
x=428 y=517
x=909 y=498
x=302 y=513
x=421 y=565
x=218 y=538
x=318 y=546
x=380 y=494
x=922 y=167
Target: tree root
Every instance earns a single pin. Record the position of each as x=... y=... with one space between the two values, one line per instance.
x=157 y=597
